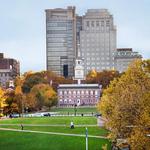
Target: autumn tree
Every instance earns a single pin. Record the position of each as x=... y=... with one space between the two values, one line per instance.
x=2 y=100
x=103 y=78
x=20 y=97
x=11 y=106
x=31 y=80
x=43 y=95
x=54 y=80
x=126 y=105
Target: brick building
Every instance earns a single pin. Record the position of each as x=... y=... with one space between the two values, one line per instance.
x=9 y=69
x=70 y=95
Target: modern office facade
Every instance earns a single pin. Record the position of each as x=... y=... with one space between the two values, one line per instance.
x=9 y=69
x=96 y=34
x=61 y=40
x=98 y=40
x=123 y=57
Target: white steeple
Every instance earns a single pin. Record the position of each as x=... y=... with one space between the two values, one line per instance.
x=79 y=69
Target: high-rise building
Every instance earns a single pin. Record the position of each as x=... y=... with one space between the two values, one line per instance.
x=61 y=40
x=98 y=40
x=9 y=69
x=95 y=32
x=123 y=57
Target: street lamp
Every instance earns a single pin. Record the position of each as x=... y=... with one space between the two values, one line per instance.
x=75 y=109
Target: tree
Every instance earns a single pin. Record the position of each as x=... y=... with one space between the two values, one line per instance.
x=11 y=106
x=43 y=95
x=32 y=79
x=126 y=105
x=19 y=95
x=103 y=78
x=2 y=100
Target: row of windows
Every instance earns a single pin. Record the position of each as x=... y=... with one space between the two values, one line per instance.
x=97 y=63
x=97 y=68
x=76 y=101
x=102 y=58
x=97 y=23
x=4 y=74
x=79 y=92
x=96 y=54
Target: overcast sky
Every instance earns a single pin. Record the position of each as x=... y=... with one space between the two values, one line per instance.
x=22 y=26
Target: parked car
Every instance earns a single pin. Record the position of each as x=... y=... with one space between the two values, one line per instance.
x=47 y=114
x=98 y=114
x=14 y=115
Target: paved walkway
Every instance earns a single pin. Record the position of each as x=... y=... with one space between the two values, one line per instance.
x=53 y=133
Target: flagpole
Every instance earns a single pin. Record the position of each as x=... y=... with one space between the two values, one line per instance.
x=86 y=133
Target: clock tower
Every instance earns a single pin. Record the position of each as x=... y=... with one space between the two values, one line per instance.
x=79 y=69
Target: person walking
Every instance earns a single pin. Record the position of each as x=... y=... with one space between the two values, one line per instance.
x=71 y=125
x=21 y=126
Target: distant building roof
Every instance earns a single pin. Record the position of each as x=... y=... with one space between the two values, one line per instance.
x=126 y=53
x=79 y=86
x=124 y=49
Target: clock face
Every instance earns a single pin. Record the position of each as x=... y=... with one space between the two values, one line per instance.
x=79 y=74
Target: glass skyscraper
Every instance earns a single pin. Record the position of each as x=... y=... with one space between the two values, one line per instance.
x=61 y=40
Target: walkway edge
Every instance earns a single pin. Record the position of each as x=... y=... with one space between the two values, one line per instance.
x=53 y=133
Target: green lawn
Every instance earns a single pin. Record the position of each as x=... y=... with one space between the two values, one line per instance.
x=79 y=110
x=35 y=141
x=77 y=130
x=52 y=120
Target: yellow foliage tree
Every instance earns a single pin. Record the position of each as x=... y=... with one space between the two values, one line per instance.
x=43 y=95
x=2 y=100
x=126 y=105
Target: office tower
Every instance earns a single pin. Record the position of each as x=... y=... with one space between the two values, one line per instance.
x=123 y=57
x=9 y=69
x=98 y=40
x=61 y=40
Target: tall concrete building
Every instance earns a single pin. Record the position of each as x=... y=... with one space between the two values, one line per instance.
x=9 y=69
x=96 y=34
x=61 y=40
x=98 y=40
x=123 y=57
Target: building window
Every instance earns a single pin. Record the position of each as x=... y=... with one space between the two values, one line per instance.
x=74 y=92
x=65 y=92
x=102 y=23
x=92 y=23
x=87 y=24
x=82 y=92
x=91 y=92
x=97 y=23
x=96 y=92
x=107 y=23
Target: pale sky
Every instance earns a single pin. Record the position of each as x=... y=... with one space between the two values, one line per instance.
x=22 y=27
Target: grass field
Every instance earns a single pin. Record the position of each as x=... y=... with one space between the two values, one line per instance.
x=53 y=120
x=36 y=141
x=79 y=110
x=31 y=141
x=77 y=130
